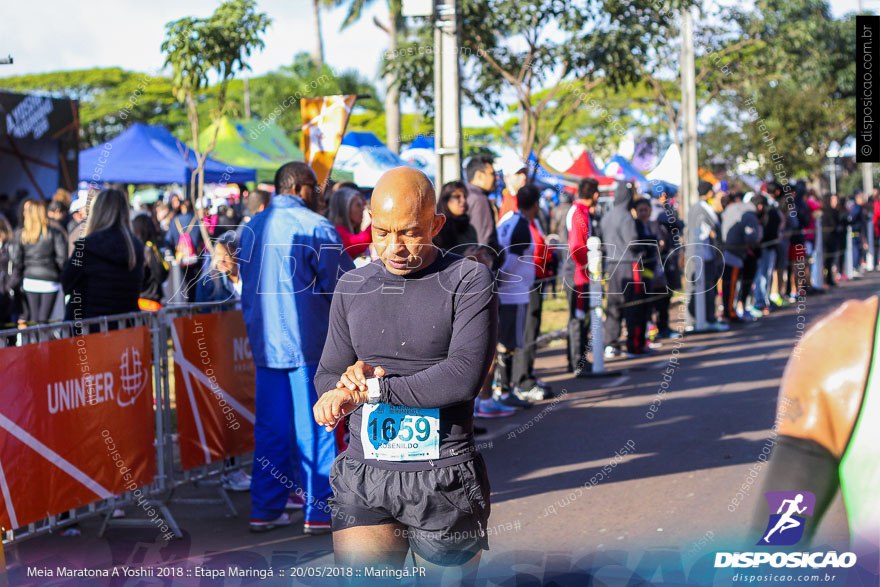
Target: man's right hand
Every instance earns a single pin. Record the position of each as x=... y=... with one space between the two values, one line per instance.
x=355 y=377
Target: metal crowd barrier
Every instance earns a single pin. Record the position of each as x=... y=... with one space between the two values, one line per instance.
x=103 y=507
x=204 y=475
x=169 y=474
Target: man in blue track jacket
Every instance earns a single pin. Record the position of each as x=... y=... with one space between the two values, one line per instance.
x=291 y=258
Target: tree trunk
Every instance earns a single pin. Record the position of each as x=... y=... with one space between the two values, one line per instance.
x=392 y=94
x=318 y=53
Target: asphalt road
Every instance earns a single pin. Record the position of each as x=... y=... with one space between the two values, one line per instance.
x=595 y=479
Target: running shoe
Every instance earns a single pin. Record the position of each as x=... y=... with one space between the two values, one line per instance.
x=316 y=528
x=489 y=408
x=611 y=352
x=755 y=312
x=511 y=401
x=294 y=502
x=237 y=481
x=718 y=326
x=535 y=394
x=778 y=301
x=266 y=525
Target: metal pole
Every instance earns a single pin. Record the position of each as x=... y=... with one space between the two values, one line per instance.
x=594 y=265
x=818 y=258
x=848 y=254
x=833 y=176
x=689 y=177
x=447 y=102
x=247 y=99
x=698 y=292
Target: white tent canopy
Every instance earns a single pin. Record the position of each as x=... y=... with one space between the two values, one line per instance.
x=669 y=168
x=366 y=157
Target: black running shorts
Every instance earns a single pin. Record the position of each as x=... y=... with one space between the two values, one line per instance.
x=445 y=510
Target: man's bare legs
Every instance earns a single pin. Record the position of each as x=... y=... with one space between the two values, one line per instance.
x=386 y=546
x=466 y=574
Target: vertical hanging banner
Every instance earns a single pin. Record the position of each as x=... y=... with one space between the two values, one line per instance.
x=324 y=121
x=215 y=387
x=76 y=423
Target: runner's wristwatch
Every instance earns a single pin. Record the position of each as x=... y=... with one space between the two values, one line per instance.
x=373 y=390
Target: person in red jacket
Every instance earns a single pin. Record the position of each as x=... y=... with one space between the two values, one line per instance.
x=347 y=207
x=578 y=223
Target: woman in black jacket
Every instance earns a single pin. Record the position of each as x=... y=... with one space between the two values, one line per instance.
x=155 y=267
x=37 y=259
x=106 y=270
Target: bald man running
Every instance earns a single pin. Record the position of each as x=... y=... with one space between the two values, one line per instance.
x=411 y=339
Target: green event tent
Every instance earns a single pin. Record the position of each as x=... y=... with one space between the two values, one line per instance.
x=257 y=144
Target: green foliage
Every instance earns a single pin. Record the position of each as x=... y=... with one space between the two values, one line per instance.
x=512 y=51
x=801 y=85
x=197 y=48
x=110 y=99
x=113 y=99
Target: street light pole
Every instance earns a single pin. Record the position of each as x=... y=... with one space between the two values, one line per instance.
x=447 y=102
x=689 y=108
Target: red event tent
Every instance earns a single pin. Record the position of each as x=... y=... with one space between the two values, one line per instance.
x=584 y=166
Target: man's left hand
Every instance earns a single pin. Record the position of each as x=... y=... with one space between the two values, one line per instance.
x=335 y=405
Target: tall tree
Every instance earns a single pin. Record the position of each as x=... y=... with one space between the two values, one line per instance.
x=199 y=48
x=318 y=52
x=394 y=28
x=513 y=51
x=797 y=94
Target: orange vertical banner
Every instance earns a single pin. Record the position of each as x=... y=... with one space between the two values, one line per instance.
x=324 y=122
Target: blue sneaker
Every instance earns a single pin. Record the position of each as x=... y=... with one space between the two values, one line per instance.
x=489 y=408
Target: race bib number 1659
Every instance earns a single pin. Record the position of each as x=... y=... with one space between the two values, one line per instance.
x=399 y=433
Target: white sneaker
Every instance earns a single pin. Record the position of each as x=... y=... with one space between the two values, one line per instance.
x=266 y=525
x=237 y=481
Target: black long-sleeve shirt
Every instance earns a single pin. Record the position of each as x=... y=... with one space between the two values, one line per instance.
x=433 y=331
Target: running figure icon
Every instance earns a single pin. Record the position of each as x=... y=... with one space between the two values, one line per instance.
x=787 y=521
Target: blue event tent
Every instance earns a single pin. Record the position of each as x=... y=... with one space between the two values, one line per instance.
x=150 y=154
x=619 y=168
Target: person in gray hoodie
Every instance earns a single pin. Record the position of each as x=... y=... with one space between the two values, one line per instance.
x=741 y=231
x=704 y=252
x=626 y=288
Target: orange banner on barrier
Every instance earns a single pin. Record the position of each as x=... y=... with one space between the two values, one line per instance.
x=76 y=423
x=215 y=387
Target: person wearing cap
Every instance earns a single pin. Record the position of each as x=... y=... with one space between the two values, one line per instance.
x=78 y=212
x=578 y=228
x=626 y=288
